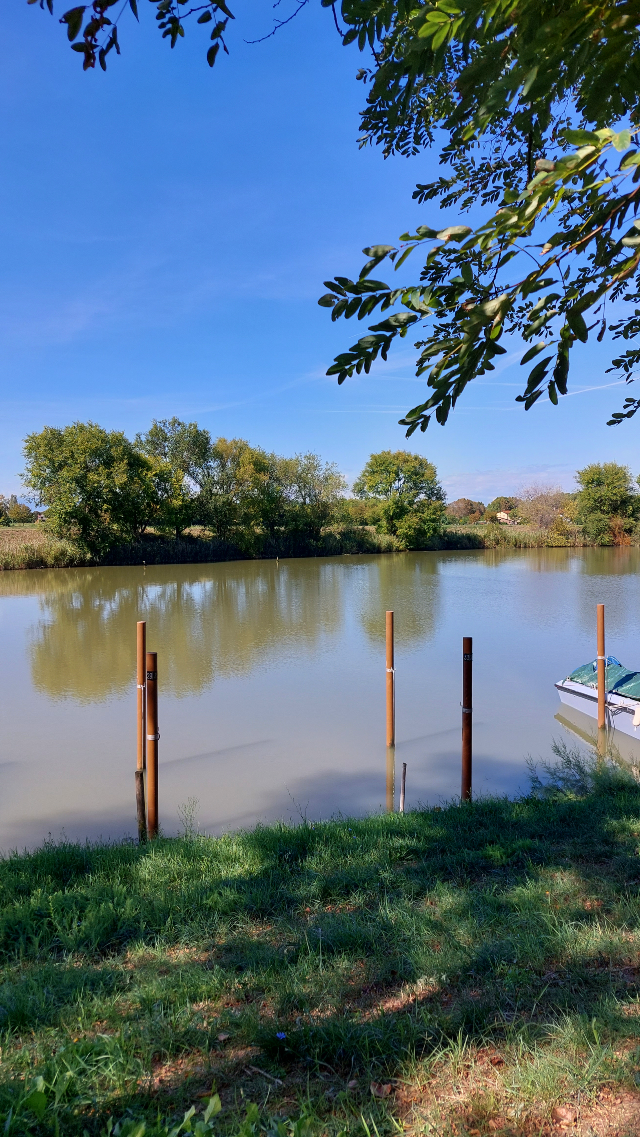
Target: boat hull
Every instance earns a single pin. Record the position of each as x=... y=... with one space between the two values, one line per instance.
x=622 y=714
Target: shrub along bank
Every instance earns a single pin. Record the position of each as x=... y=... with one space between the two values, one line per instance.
x=460 y=970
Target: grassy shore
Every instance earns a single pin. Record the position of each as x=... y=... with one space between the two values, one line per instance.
x=31 y=546
x=457 y=972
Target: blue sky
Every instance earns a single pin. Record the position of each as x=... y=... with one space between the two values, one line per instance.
x=166 y=230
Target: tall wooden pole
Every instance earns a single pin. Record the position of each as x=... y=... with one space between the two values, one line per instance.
x=602 y=663
x=467 y=715
x=152 y=743
x=141 y=652
x=391 y=684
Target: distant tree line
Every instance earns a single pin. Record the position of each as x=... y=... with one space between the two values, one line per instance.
x=103 y=490
x=605 y=509
x=14 y=512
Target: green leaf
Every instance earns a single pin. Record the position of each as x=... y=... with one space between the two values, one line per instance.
x=378 y=252
x=73 y=20
x=37 y=1102
x=575 y=320
x=205 y=17
x=453 y=233
x=133 y=4
x=211 y=54
x=441 y=35
x=622 y=141
x=530 y=80
x=467 y=274
x=213 y=1107
x=328 y=300
x=528 y=403
x=531 y=353
x=553 y=394
x=537 y=374
x=581 y=137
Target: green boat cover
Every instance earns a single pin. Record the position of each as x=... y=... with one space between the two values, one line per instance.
x=618 y=678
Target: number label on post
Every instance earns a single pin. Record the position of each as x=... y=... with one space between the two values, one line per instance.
x=152 y=674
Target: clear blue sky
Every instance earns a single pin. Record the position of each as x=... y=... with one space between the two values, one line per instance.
x=165 y=233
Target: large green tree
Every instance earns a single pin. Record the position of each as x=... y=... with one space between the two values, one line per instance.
x=97 y=487
x=607 y=503
x=310 y=491
x=531 y=106
x=180 y=453
x=410 y=495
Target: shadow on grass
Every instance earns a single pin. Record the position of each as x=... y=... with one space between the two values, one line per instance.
x=133 y=976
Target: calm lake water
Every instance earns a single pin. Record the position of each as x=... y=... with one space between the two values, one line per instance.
x=272 y=680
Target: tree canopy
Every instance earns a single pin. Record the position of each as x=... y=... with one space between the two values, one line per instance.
x=607 y=502
x=532 y=107
x=412 y=499
x=526 y=96
x=97 y=487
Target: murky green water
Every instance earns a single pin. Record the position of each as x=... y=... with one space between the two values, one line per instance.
x=272 y=679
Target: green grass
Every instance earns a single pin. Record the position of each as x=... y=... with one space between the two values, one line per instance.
x=481 y=964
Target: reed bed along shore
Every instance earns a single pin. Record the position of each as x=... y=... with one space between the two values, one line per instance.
x=31 y=546
x=460 y=972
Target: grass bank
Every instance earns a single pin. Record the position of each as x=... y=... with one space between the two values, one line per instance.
x=463 y=971
x=32 y=546
x=26 y=547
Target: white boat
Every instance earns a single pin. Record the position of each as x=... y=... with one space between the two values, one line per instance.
x=622 y=700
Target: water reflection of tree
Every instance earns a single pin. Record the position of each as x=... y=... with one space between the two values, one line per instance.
x=409 y=585
x=219 y=621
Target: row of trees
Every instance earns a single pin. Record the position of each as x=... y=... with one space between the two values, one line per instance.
x=103 y=489
x=605 y=507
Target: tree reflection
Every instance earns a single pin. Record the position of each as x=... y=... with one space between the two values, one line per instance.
x=221 y=620
x=409 y=584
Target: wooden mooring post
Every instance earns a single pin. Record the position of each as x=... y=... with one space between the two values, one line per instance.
x=391 y=683
x=602 y=670
x=153 y=736
x=467 y=716
x=141 y=651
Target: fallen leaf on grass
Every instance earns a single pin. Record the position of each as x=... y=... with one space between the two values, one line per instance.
x=222 y=1037
x=380 y=1089
x=353 y=1084
x=497 y=1060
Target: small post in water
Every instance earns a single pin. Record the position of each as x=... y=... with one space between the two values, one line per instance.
x=391 y=684
x=467 y=714
x=403 y=786
x=141 y=652
x=152 y=743
x=602 y=663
